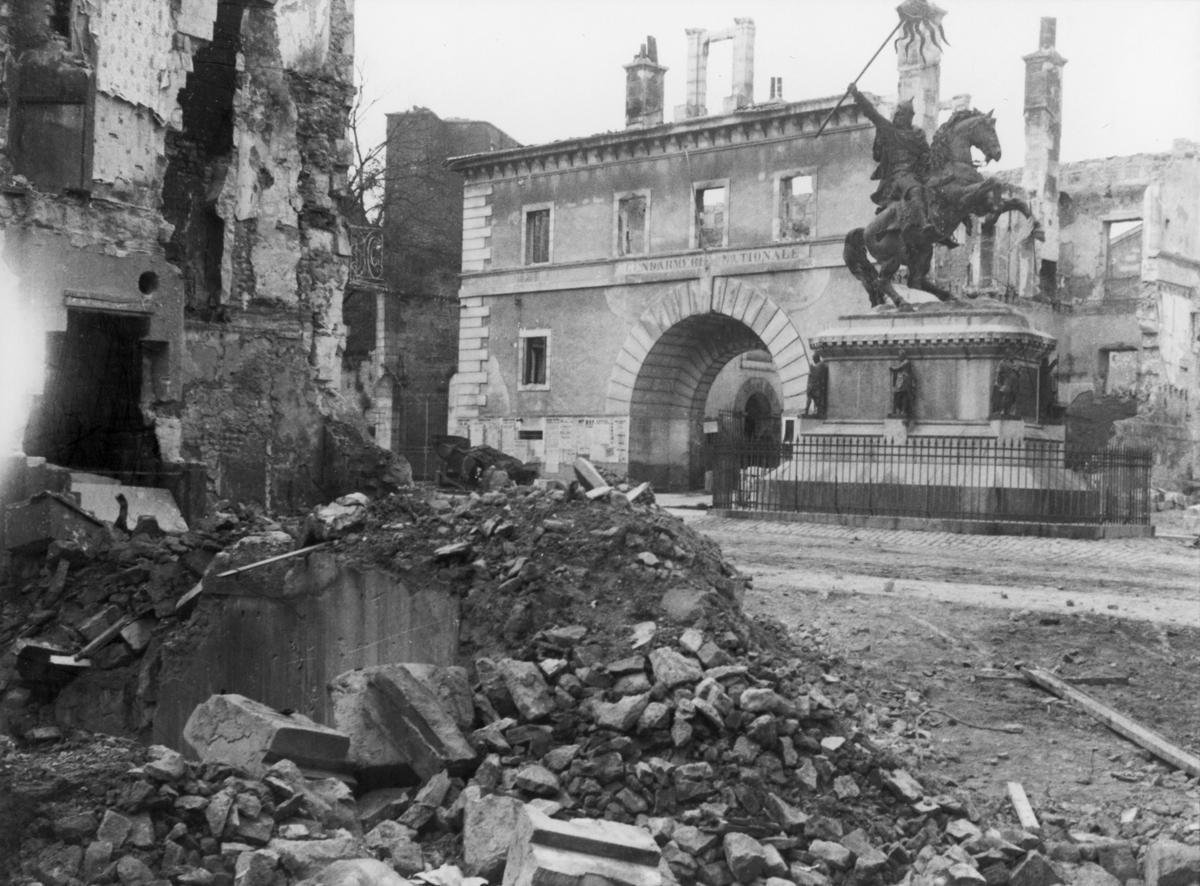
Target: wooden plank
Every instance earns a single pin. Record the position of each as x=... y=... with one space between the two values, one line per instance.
x=274 y=559
x=1024 y=810
x=1116 y=721
x=109 y=633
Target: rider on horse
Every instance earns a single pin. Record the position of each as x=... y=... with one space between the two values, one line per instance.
x=902 y=151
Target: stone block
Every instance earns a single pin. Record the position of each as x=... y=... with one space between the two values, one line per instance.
x=745 y=856
x=241 y=732
x=868 y=859
x=1034 y=870
x=673 y=669
x=835 y=855
x=397 y=845
x=547 y=852
x=1116 y=857
x=622 y=715
x=378 y=760
x=305 y=858
x=1091 y=874
x=357 y=872
x=488 y=825
x=416 y=722
x=384 y=803
x=527 y=688
x=31 y=525
x=1168 y=863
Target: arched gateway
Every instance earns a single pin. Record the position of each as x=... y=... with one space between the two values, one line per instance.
x=662 y=376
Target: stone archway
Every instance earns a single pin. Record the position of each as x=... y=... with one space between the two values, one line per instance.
x=663 y=374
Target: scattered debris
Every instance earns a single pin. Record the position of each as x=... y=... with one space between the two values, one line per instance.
x=1135 y=732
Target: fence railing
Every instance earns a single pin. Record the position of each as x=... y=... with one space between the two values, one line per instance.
x=939 y=478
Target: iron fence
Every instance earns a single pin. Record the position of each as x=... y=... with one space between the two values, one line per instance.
x=940 y=478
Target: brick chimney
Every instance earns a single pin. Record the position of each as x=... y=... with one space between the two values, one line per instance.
x=644 y=78
x=1043 y=136
x=920 y=68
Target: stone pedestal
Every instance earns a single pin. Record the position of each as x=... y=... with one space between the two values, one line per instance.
x=955 y=349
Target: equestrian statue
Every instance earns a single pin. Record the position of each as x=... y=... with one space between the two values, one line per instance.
x=925 y=192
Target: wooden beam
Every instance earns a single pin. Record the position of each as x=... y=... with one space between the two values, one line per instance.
x=1135 y=732
x=1024 y=810
x=274 y=559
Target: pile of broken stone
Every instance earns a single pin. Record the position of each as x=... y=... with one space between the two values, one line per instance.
x=683 y=761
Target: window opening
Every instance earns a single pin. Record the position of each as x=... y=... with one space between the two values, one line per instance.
x=537 y=237
x=1124 y=249
x=796 y=207
x=987 y=254
x=631 y=225
x=534 y=372
x=710 y=217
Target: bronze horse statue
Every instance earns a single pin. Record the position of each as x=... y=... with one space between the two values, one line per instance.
x=955 y=191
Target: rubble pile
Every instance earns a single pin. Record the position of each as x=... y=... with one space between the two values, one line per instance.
x=615 y=715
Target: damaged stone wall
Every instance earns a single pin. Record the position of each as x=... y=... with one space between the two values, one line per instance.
x=82 y=133
x=264 y=248
x=1125 y=302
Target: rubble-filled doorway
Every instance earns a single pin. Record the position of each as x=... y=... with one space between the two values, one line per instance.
x=89 y=415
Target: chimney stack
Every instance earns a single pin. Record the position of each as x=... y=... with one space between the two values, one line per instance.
x=742 y=85
x=644 y=78
x=1043 y=136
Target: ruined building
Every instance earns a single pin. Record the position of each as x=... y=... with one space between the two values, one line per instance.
x=402 y=326
x=1117 y=280
x=621 y=288
x=168 y=217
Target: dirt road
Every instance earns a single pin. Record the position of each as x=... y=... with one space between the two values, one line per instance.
x=933 y=627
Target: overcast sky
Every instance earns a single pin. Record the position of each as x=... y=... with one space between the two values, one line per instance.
x=544 y=71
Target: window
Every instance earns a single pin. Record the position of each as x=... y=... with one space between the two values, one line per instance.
x=1124 y=248
x=987 y=254
x=796 y=207
x=633 y=223
x=538 y=221
x=534 y=356
x=711 y=219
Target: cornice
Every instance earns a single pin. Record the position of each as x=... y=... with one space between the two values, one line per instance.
x=760 y=123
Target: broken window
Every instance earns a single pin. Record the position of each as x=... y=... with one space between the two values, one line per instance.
x=796 y=207
x=631 y=225
x=534 y=347
x=1124 y=249
x=537 y=236
x=1119 y=371
x=710 y=217
x=52 y=89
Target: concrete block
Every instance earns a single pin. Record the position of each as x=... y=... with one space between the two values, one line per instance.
x=1034 y=870
x=242 y=732
x=557 y=853
x=416 y=721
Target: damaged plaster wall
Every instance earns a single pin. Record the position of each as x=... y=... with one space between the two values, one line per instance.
x=82 y=133
x=264 y=340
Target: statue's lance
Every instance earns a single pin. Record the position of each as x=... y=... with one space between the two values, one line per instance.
x=917 y=19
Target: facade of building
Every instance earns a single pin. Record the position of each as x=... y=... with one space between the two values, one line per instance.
x=402 y=332
x=169 y=222
x=1117 y=280
x=619 y=290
